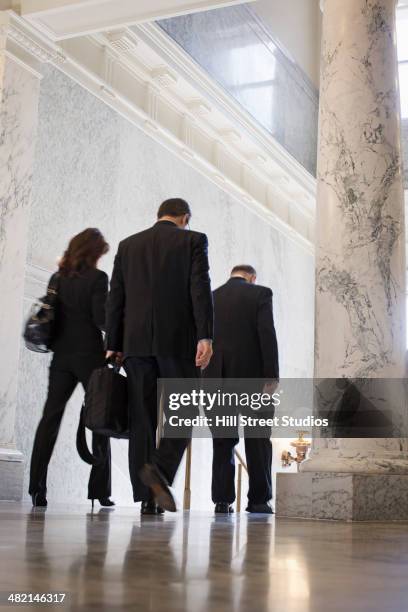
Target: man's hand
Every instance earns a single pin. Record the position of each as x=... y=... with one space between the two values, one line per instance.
x=204 y=353
x=271 y=386
x=115 y=356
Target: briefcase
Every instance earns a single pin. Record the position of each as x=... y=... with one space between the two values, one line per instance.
x=106 y=403
x=104 y=411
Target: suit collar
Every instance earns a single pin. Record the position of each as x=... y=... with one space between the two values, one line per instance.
x=237 y=279
x=165 y=222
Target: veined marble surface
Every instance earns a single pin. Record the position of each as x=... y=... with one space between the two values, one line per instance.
x=343 y=496
x=404 y=131
x=360 y=256
x=360 y=252
x=235 y=47
x=93 y=168
x=18 y=120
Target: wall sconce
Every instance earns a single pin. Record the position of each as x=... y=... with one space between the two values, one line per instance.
x=301 y=445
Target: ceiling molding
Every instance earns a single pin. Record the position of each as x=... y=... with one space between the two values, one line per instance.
x=187 y=68
x=41 y=52
x=24 y=47
x=62 y=19
x=210 y=134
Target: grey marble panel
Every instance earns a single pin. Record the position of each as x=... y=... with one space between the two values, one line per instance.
x=18 y=121
x=380 y=497
x=404 y=142
x=11 y=475
x=332 y=496
x=295 y=495
x=240 y=53
x=75 y=179
x=343 y=496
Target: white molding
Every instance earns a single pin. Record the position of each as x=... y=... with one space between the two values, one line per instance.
x=40 y=52
x=10 y=453
x=164 y=77
x=204 y=127
x=36 y=281
x=120 y=40
x=210 y=90
x=26 y=48
x=198 y=107
x=24 y=60
x=63 y=19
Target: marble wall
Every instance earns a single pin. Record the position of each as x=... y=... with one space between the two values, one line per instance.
x=404 y=142
x=18 y=119
x=92 y=167
x=238 y=50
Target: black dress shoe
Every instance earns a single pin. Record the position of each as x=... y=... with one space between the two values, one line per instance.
x=151 y=477
x=39 y=500
x=148 y=507
x=260 y=508
x=106 y=502
x=223 y=508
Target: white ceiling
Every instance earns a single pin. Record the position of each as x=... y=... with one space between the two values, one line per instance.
x=61 y=19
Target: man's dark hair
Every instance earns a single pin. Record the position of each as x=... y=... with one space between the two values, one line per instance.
x=175 y=207
x=243 y=268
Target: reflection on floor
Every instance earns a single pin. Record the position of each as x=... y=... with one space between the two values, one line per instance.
x=114 y=560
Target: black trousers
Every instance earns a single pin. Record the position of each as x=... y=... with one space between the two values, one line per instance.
x=258 y=453
x=66 y=371
x=142 y=373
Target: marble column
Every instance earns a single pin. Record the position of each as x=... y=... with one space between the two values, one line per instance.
x=360 y=265
x=19 y=89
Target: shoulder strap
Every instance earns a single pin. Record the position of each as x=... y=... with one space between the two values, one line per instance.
x=81 y=443
x=53 y=285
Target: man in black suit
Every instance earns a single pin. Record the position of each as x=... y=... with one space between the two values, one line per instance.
x=160 y=323
x=245 y=346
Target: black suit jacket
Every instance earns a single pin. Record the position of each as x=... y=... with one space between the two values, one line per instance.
x=160 y=301
x=245 y=344
x=80 y=316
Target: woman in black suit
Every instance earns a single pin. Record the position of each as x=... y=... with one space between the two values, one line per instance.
x=78 y=350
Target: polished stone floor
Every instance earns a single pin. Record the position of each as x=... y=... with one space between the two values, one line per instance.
x=115 y=560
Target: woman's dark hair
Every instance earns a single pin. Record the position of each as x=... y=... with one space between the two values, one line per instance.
x=83 y=252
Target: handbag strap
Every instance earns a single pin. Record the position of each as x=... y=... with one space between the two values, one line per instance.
x=116 y=367
x=81 y=443
x=54 y=284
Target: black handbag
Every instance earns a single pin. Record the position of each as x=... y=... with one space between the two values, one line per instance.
x=40 y=327
x=105 y=409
